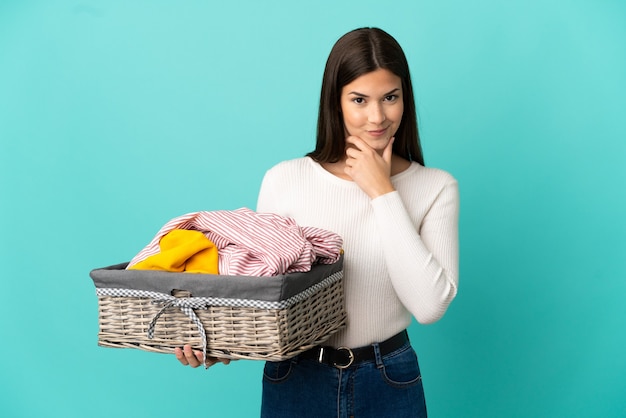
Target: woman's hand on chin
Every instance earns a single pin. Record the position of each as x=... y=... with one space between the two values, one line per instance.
x=370 y=170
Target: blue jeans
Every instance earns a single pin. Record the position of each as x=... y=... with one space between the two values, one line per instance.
x=390 y=386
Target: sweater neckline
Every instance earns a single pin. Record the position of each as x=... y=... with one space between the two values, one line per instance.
x=318 y=167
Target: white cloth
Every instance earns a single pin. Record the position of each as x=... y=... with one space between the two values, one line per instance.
x=401 y=248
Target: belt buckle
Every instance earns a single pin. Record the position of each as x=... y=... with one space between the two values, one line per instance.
x=350 y=358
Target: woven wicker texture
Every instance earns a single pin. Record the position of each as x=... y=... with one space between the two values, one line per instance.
x=232 y=332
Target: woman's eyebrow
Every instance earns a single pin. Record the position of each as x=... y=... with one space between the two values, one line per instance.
x=356 y=93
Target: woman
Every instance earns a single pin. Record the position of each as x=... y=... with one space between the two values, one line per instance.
x=366 y=181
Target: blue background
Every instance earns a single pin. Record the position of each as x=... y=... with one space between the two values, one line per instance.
x=116 y=116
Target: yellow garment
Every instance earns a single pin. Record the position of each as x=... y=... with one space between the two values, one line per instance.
x=183 y=250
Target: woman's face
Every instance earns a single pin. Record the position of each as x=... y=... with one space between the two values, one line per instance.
x=372 y=107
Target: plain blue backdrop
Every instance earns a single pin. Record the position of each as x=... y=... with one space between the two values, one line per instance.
x=116 y=116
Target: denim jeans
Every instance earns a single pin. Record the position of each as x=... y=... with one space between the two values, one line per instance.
x=390 y=386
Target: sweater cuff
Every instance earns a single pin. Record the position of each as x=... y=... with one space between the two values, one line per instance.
x=388 y=202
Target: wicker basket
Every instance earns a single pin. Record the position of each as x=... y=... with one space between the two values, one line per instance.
x=277 y=317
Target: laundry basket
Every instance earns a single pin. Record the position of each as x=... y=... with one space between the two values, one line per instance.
x=236 y=317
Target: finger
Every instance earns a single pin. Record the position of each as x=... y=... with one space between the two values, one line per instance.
x=356 y=142
x=388 y=150
x=210 y=362
x=191 y=356
x=180 y=356
x=352 y=152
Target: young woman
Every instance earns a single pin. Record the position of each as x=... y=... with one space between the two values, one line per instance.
x=366 y=181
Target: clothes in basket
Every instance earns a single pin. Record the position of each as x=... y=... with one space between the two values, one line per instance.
x=255 y=244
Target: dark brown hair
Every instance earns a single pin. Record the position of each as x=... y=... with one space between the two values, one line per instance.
x=359 y=52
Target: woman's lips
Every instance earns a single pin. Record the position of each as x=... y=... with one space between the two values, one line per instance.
x=378 y=132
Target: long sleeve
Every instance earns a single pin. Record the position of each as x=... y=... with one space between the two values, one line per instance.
x=400 y=249
x=422 y=264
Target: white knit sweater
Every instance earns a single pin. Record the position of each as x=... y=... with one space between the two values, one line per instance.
x=401 y=248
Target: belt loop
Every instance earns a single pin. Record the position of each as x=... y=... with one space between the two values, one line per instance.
x=377 y=355
x=320 y=359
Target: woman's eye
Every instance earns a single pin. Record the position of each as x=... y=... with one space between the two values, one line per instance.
x=391 y=98
x=358 y=100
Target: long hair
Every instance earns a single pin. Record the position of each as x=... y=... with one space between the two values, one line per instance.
x=359 y=52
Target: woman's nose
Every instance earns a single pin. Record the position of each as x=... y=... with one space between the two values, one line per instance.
x=376 y=114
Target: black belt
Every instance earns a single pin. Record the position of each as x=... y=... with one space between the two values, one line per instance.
x=343 y=357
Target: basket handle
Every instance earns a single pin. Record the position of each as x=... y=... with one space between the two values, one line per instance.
x=187 y=305
x=180 y=293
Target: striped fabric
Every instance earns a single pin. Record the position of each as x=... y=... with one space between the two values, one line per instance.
x=255 y=244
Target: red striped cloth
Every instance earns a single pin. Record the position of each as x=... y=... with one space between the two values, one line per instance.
x=255 y=244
